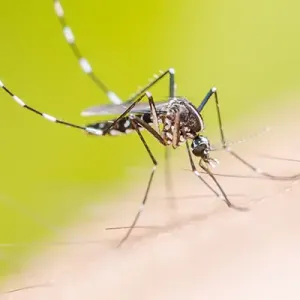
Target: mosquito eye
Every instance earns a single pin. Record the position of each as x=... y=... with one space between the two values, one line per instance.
x=198 y=150
x=200 y=146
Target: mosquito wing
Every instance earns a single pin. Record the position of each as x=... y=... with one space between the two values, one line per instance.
x=115 y=109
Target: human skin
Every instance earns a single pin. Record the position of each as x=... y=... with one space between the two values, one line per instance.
x=200 y=250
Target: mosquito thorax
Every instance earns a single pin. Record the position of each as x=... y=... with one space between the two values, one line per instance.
x=200 y=146
x=189 y=116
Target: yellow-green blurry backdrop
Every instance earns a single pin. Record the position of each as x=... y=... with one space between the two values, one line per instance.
x=248 y=49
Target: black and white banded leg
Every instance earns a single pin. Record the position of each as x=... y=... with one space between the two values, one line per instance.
x=213 y=91
x=87 y=67
x=47 y=116
x=83 y=62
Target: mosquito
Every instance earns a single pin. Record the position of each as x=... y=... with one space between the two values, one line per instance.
x=172 y=123
x=87 y=68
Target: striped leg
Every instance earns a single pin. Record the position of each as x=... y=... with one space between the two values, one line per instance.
x=83 y=62
x=87 y=68
x=49 y=117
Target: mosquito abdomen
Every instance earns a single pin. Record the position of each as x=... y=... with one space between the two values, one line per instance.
x=123 y=126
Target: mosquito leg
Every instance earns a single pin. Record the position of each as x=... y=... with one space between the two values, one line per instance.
x=168 y=181
x=148 y=128
x=153 y=110
x=157 y=135
x=199 y=175
x=157 y=78
x=46 y=116
x=258 y=170
x=83 y=62
x=98 y=109
x=137 y=216
x=213 y=91
x=281 y=158
x=172 y=90
x=87 y=68
x=229 y=204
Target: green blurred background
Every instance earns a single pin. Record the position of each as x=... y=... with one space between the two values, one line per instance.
x=248 y=49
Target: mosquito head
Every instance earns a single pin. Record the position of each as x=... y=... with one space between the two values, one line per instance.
x=201 y=148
